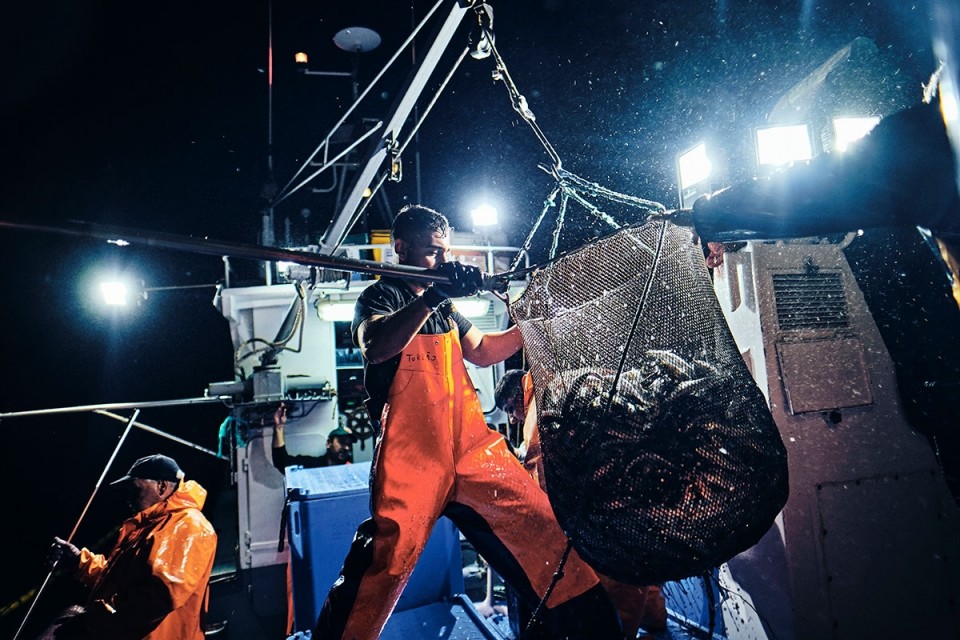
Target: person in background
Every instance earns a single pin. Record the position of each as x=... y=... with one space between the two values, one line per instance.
x=639 y=607
x=153 y=583
x=435 y=455
x=340 y=443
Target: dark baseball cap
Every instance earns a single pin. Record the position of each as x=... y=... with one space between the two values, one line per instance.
x=343 y=432
x=155 y=467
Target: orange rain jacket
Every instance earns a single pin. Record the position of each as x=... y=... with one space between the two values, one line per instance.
x=153 y=584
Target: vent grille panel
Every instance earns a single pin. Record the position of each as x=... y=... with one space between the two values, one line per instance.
x=810 y=300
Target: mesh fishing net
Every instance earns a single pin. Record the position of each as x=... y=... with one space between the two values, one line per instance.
x=660 y=455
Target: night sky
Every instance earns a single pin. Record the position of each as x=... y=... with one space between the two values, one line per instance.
x=156 y=117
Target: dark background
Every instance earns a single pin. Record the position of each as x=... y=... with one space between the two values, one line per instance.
x=156 y=117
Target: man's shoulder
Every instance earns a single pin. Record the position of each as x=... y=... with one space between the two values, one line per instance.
x=384 y=286
x=384 y=295
x=193 y=517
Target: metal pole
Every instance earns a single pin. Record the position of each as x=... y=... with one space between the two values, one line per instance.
x=76 y=526
x=124 y=237
x=340 y=225
x=111 y=406
x=162 y=434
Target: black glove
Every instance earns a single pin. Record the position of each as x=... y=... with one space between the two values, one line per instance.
x=64 y=553
x=465 y=280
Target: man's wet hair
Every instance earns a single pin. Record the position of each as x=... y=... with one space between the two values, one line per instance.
x=414 y=220
x=508 y=387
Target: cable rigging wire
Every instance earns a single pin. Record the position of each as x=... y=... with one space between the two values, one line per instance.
x=287 y=191
x=569 y=185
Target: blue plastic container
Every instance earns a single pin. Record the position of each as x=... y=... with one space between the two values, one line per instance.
x=325 y=506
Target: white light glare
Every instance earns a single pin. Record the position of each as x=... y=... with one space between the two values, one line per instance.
x=781 y=145
x=484 y=216
x=337 y=312
x=115 y=294
x=472 y=307
x=848 y=130
x=343 y=311
x=695 y=166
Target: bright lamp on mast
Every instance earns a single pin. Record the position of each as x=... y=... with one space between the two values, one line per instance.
x=847 y=130
x=780 y=145
x=695 y=169
x=484 y=216
x=115 y=293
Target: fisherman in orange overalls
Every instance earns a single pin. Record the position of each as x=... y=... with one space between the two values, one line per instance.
x=436 y=456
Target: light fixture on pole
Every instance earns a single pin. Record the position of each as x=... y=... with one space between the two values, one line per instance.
x=117 y=293
x=130 y=292
x=484 y=215
x=354 y=40
x=694 y=169
x=485 y=220
x=778 y=146
x=847 y=130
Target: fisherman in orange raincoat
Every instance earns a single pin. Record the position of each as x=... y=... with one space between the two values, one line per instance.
x=153 y=583
x=436 y=456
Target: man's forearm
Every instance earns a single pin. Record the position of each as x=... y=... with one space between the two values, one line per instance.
x=496 y=347
x=383 y=337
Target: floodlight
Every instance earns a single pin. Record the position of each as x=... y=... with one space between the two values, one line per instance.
x=846 y=130
x=778 y=146
x=301 y=58
x=125 y=291
x=122 y=291
x=484 y=216
x=115 y=294
x=694 y=168
x=694 y=165
x=949 y=103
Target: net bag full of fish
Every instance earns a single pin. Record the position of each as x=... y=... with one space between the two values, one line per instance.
x=661 y=457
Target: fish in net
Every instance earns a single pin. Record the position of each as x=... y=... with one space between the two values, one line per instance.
x=661 y=457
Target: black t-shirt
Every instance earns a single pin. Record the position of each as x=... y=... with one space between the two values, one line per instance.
x=282 y=460
x=384 y=297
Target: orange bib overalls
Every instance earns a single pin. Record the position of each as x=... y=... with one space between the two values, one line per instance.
x=435 y=455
